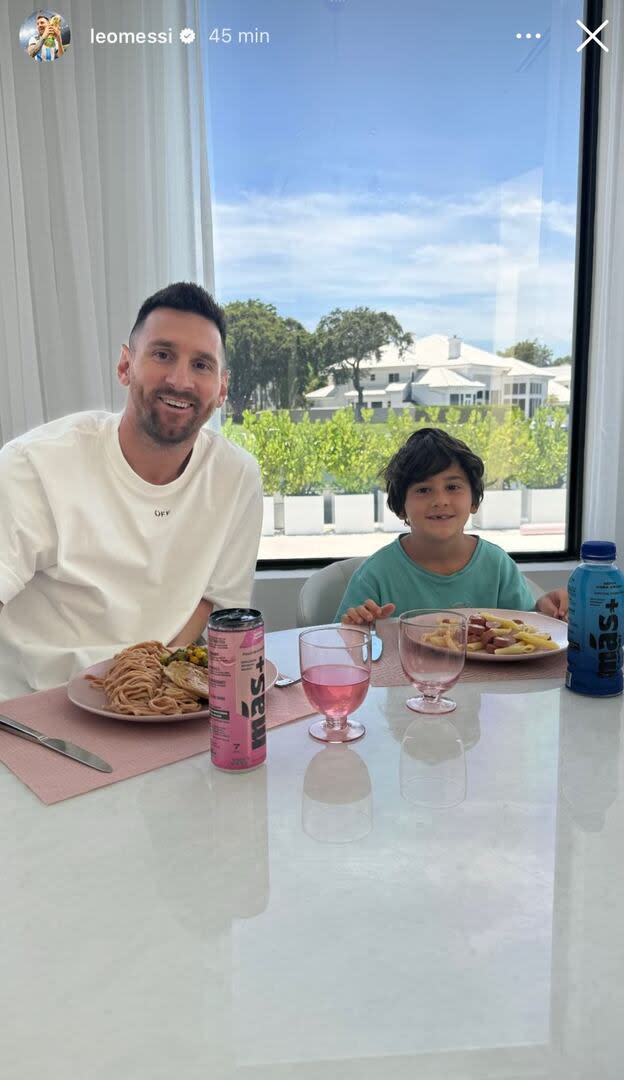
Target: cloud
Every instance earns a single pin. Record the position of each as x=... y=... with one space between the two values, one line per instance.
x=498 y=261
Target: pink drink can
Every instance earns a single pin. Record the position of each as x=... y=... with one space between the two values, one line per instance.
x=236 y=677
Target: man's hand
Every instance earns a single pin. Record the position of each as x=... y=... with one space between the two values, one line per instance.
x=194 y=627
x=36 y=45
x=366 y=613
x=555 y=604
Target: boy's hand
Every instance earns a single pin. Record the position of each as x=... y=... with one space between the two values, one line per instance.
x=555 y=604
x=366 y=613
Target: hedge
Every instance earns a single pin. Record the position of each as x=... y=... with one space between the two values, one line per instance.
x=308 y=457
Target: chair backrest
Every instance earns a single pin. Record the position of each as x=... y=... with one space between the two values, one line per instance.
x=534 y=588
x=322 y=592
x=320 y=596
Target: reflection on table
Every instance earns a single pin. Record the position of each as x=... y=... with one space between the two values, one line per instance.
x=337 y=803
x=308 y=920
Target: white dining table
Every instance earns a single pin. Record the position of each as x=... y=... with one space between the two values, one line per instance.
x=442 y=899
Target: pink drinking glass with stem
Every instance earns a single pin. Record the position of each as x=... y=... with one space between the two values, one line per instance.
x=432 y=648
x=335 y=666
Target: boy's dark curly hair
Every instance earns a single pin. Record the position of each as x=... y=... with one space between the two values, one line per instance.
x=427 y=452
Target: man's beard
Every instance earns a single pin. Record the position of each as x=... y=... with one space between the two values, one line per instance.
x=164 y=432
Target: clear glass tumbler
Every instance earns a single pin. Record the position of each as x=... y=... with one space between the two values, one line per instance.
x=432 y=648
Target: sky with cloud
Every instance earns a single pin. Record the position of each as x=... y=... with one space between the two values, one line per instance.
x=410 y=157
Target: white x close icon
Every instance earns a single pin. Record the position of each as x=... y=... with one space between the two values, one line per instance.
x=592 y=35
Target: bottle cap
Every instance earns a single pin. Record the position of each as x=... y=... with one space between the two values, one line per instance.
x=598 y=549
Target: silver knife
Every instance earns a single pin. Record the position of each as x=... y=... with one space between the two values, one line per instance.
x=60 y=745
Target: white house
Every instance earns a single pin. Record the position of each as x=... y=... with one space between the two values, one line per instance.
x=437 y=370
x=559 y=388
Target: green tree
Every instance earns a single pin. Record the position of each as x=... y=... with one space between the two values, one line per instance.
x=302 y=461
x=265 y=435
x=562 y=360
x=547 y=462
x=352 y=451
x=271 y=360
x=398 y=428
x=347 y=339
x=295 y=364
x=531 y=352
x=507 y=450
x=252 y=331
x=477 y=430
x=290 y=454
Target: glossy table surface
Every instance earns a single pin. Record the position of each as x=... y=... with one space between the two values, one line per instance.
x=309 y=920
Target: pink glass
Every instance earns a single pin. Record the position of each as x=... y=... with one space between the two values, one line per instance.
x=431 y=664
x=335 y=666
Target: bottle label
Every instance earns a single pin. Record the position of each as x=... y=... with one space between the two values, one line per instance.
x=609 y=640
x=595 y=654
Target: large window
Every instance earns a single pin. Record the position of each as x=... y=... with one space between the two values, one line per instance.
x=395 y=203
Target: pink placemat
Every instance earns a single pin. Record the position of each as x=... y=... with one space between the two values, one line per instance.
x=130 y=748
x=388 y=671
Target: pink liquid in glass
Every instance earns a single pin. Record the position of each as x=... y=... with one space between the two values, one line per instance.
x=336 y=689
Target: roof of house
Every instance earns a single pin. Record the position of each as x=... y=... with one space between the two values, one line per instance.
x=520 y=367
x=428 y=358
x=563 y=374
x=443 y=377
x=433 y=351
x=560 y=392
x=322 y=392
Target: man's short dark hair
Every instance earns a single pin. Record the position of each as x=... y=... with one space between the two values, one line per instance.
x=427 y=452
x=182 y=296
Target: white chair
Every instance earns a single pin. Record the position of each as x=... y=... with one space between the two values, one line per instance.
x=322 y=592
x=535 y=589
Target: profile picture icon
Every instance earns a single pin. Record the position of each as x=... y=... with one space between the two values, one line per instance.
x=45 y=35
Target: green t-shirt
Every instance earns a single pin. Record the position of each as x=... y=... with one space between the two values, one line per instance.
x=490 y=579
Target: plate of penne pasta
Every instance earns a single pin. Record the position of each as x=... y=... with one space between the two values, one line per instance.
x=500 y=635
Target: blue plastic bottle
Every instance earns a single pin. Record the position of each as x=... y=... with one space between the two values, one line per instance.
x=596 y=622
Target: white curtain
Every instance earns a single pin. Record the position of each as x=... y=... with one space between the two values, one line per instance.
x=104 y=198
x=603 y=517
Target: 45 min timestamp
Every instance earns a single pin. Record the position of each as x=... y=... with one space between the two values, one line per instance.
x=226 y=36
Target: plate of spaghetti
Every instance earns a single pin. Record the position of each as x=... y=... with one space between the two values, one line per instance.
x=144 y=684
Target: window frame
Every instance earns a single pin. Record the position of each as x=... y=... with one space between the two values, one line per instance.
x=583 y=286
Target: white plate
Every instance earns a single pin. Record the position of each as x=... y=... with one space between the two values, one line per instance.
x=92 y=698
x=558 y=631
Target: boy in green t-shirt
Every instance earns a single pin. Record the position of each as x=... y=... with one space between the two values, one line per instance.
x=434 y=482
